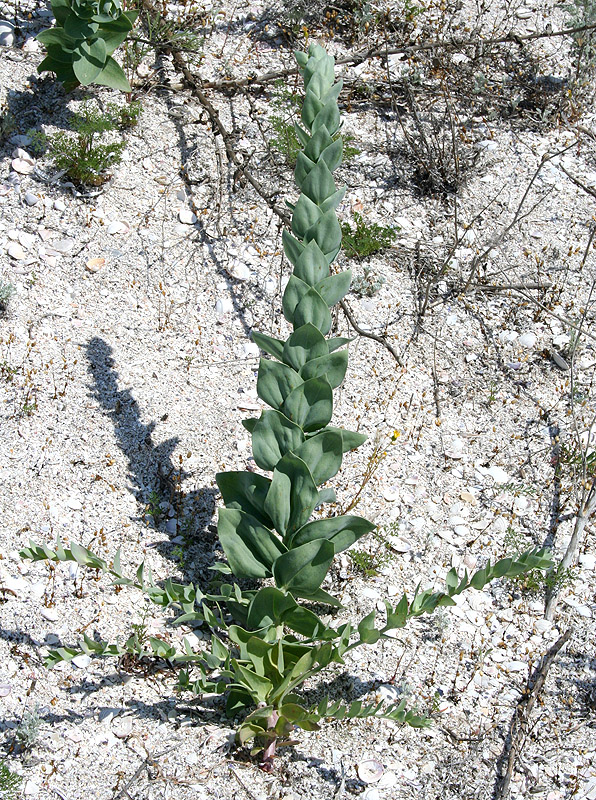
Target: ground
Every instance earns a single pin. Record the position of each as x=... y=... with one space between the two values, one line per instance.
x=126 y=367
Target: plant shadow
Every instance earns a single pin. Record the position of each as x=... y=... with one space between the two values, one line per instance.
x=185 y=517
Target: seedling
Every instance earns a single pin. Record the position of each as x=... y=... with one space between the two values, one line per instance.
x=86 y=157
x=366 y=238
x=6 y=292
x=9 y=783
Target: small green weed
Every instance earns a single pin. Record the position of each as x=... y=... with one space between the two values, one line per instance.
x=582 y=13
x=9 y=783
x=153 y=508
x=368 y=283
x=6 y=292
x=84 y=157
x=8 y=123
x=533 y=584
x=28 y=731
x=366 y=238
x=379 y=553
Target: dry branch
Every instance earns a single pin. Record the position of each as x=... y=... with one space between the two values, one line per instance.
x=519 y=724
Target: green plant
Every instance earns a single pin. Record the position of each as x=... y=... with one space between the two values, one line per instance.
x=9 y=783
x=582 y=13
x=6 y=292
x=368 y=283
x=28 y=730
x=153 y=508
x=366 y=238
x=81 y=43
x=285 y=139
x=263 y=641
x=8 y=123
x=378 y=554
x=84 y=158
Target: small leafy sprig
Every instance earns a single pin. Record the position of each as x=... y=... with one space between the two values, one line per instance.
x=81 y=43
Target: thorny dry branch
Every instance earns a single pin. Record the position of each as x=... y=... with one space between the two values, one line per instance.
x=519 y=723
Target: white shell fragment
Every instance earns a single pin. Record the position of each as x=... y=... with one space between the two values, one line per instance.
x=16 y=251
x=21 y=166
x=369 y=771
x=186 y=216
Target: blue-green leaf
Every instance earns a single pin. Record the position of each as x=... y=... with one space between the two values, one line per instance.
x=327 y=234
x=333 y=367
x=306 y=214
x=293 y=294
x=311 y=265
x=292 y=495
x=333 y=288
x=303 y=569
x=312 y=308
x=250 y=548
x=112 y=76
x=246 y=491
x=310 y=405
x=317 y=145
x=90 y=62
x=341 y=531
x=275 y=382
x=273 y=436
x=318 y=185
x=274 y=347
x=322 y=454
x=305 y=344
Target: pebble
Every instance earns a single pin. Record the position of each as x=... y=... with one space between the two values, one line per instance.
x=31 y=789
x=82 y=661
x=16 y=251
x=22 y=166
x=560 y=361
x=186 y=216
x=371 y=794
x=251 y=349
x=5 y=689
x=390 y=495
x=587 y=561
x=59 y=205
x=51 y=614
x=117 y=227
x=270 y=286
x=498 y=475
x=523 y=13
x=31 y=46
x=31 y=199
x=122 y=728
x=224 y=305
x=455 y=448
x=63 y=245
x=95 y=264
x=6 y=34
x=527 y=339
x=240 y=271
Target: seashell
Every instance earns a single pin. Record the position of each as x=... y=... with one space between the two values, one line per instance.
x=370 y=771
